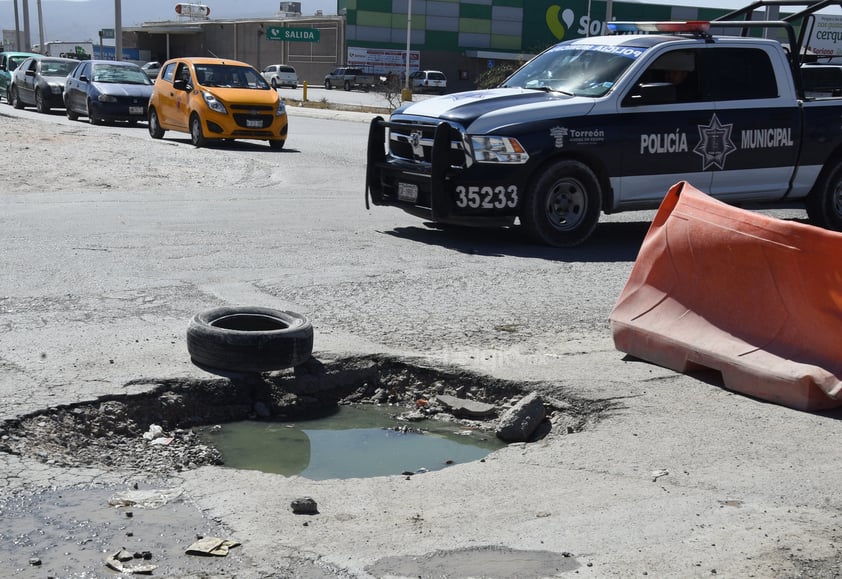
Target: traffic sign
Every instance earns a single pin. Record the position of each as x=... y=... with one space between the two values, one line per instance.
x=106 y=33
x=292 y=34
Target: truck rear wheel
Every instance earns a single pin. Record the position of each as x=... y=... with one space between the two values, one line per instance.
x=563 y=205
x=824 y=203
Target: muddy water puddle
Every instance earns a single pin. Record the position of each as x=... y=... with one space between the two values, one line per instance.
x=355 y=442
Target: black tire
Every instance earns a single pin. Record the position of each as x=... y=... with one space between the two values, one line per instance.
x=249 y=339
x=91 y=118
x=276 y=144
x=71 y=114
x=14 y=98
x=274 y=84
x=328 y=85
x=824 y=203
x=347 y=85
x=563 y=205
x=41 y=104
x=197 y=136
x=155 y=130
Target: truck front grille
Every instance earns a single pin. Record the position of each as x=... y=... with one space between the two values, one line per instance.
x=413 y=142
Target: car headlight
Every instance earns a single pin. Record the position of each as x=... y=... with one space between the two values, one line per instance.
x=213 y=103
x=282 y=109
x=106 y=98
x=494 y=149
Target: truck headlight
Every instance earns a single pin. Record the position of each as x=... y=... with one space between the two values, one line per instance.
x=213 y=103
x=494 y=149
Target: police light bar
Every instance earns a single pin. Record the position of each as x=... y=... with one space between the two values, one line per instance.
x=696 y=26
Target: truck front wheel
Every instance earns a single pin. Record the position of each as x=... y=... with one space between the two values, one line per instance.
x=824 y=203
x=563 y=205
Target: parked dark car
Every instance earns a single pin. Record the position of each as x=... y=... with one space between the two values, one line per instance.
x=39 y=82
x=107 y=90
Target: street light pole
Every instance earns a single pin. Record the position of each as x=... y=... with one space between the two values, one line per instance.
x=408 y=35
x=118 y=31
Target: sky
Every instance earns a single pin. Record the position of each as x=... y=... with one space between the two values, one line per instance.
x=79 y=20
x=76 y=20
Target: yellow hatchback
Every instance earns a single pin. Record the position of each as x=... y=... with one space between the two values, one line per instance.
x=213 y=99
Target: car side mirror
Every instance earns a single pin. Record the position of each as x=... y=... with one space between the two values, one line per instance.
x=182 y=85
x=83 y=78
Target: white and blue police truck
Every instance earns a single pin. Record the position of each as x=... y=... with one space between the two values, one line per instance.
x=609 y=123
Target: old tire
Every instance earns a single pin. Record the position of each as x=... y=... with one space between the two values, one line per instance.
x=249 y=339
x=155 y=130
x=824 y=203
x=563 y=205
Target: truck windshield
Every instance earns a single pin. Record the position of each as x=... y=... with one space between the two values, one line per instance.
x=577 y=69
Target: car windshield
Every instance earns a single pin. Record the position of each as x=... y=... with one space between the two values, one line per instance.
x=57 y=67
x=577 y=69
x=110 y=73
x=227 y=75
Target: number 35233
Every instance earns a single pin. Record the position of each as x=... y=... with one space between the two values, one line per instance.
x=486 y=197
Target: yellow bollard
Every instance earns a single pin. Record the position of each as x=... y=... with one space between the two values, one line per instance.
x=406 y=94
x=304 y=98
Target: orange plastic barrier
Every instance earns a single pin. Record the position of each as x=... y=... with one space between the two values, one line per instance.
x=757 y=298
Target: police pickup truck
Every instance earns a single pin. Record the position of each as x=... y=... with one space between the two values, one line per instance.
x=607 y=124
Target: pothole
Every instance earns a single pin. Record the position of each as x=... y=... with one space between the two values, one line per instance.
x=114 y=431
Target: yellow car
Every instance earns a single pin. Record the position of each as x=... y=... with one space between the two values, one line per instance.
x=214 y=98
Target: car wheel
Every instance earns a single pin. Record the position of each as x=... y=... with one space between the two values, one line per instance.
x=197 y=137
x=249 y=339
x=71 y=114
x=274 y=83
x=41 y=104
x=155 y=130
x=276 y=144
x=327 y=85
x=824 y=203
x=14 y=98
x=347 y=85
x=563 y=205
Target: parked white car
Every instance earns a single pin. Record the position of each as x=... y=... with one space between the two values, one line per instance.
x=428 y=81
x=280 y=75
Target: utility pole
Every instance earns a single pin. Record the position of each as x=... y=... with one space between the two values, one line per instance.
x=27 y=38
x=18 y=44
x=40 y=27
x=118 y=30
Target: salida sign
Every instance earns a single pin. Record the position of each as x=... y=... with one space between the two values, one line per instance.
x=292 y=34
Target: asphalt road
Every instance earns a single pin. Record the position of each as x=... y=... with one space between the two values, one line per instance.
x=112 y=241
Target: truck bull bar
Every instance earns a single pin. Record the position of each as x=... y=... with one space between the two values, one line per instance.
x=437 y=170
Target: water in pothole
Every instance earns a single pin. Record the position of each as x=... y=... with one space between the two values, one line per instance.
x=355 y=442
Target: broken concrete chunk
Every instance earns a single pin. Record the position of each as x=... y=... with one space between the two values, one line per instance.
x=465 y=407
x=521 y=421
x=304 y=506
